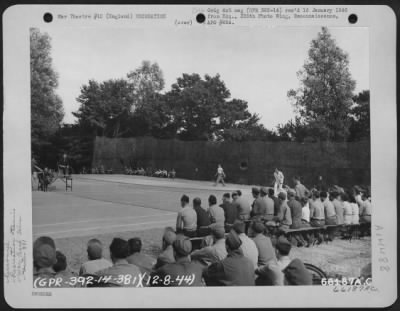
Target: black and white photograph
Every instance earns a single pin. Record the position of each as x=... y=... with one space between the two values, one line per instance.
x=130 y=129
x=201 y=156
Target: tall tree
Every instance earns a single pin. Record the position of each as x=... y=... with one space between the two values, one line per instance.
x=46 y=106
x=198 y=104
x=105 y=107
x=146 y=81
x=324 y=98
x=155 y=118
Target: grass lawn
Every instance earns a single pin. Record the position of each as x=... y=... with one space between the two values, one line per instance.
x=339 y=257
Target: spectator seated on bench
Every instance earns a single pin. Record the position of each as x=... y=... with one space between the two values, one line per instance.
x=215 y=251
x=119 y=251
x=96 y=260
x=167 y=254
x=183 y=267
x=248 y=246
x=284 y=217
x=234 y=270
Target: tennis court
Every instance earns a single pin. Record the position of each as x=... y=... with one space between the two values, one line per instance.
x=101 y=204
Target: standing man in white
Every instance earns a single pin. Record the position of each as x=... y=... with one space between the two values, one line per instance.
x=220 y=175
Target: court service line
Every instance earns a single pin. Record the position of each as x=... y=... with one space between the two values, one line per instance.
x=96 y=228
x=100 y=219
x=178 y=186
x=116 y=203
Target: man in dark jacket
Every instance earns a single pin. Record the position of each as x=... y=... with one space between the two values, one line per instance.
x=259 y=207
x=271 y=194
x=182 y=272
x=203 y=218
x=234 y=270
x=230 y=211
x=295 y=209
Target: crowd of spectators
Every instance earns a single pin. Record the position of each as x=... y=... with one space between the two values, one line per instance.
x=232 y=259
x=150 y=172
x=235 y=250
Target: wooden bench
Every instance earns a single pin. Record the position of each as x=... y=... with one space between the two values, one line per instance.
x=289 y=233
x=301 y=230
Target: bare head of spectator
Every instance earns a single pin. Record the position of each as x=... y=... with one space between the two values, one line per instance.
x=61 y=263
x=235 y=195
x=282 y=196
x=323 y=195
x=226 y=197
x=239 y=227
x=296 y=180
x=94 y=249
x=182 y=247
x=357 y=190
x=291 y=195
x=364 y=196
x=44 y=253
x=282 y=247
x=257 y=227
x=352 y=198
x=184 y=200
x=119 y=249
x=196 y=202
x=255 y=192
x=135 y=245
x=271 y=192
x=239 y=193
x=344 y=197
x=232 y=241
x=315 y=194
x=212 y=200
x=263 y=191
x=333 y=195
x=169 y=237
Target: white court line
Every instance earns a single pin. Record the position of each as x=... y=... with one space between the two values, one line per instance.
x=99 y=219
x=96 y=228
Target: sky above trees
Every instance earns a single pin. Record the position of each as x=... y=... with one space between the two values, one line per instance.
x=258 y=65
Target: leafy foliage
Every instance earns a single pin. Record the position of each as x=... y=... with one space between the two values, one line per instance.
x=324 y=98
x=197 y=105
x=105 y=106
x=146 y=82
x=295 y=130
x=46 y=106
